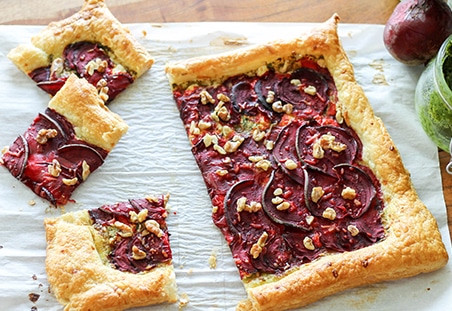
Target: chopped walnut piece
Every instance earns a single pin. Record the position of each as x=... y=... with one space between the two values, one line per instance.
x=124 y=230
x=251 y=208
x=277 y=106
x=203 y=125
x=277 y=200
x=70 y=182
x=269 y=144
x=194 y=128
x=153 y=227
x=232 y=145
x=256 y=249
x=348 y=193
x=264 y=165
x=311 y=90
x=328 y=141
x=223 y=114
x=208 y=140
x=222 y=97
x=137 y=253
x=316 y=194
x=295 y=82
x=278 y=191
x=86 y=170
x=226 y=130
x=258 y=135
x=329 y=213
x=54 y=168
x=353 y=230
x=57 y=66
x=317 y=150
x=270 y=97
x=290 y=164
x=287 y=108
x=308 y=243
x=221 y=172
x=206 y=98
x=45 y=134
x=219 y=149
x=309 y=219
x=140 y=217
x=283 y=206
x=96 y=64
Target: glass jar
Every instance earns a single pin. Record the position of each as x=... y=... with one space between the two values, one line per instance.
x=433 y=97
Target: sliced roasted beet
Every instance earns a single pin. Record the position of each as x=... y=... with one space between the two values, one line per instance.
x=74 y=154
x=117 y=83
x=325 y=146
x=311 y=93
x=54 y=124
x=241 y=221
x=284 y=202
x=357 y=190
x=285 y=152
x=53 y=86
x=40 y=74
x=16 y=157
x=320 y=189
x=243 y=98
x=349 y=194
x=78 y=55
x=263 y=85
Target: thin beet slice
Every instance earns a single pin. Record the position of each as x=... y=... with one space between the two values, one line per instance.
x=284 y=202
x=314 y=150
x=285 y=152
x=304 y=88
x=263 y=86
x=17 y=157
x=350 y=193
x=239 y=222
x=243 y=98
x=352 y=177
x=77 y=56
x=72 y=155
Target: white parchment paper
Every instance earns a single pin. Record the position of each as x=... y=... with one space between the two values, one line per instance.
x=154 y=157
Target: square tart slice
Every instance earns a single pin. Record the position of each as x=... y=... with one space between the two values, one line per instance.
x=93 y=44
x=66 y=143
x=114 y=257
x=306 y=184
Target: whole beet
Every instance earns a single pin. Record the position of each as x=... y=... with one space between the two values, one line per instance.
x=416 y=29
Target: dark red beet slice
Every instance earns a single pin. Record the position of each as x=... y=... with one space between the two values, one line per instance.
x=285 y=152
x=17 y=157
x=243 y=98
x=352 y=177
x=284 y=202
x=72 y=155
x=117 y=83
x=77 y=55
x=349 y=194
x=263 y=85
x=296 y=95
x=240 y=222
x=53 y=86
x=310 y=136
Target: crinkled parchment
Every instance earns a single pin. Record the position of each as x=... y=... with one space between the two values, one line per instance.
x=154 y=157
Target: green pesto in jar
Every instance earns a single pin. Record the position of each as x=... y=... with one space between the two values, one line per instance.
x=434 y=97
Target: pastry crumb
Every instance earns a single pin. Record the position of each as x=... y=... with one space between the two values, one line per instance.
x=32 y=202
x=213 y=260
x=183 y=300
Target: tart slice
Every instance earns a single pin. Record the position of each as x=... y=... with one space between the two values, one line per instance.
x=92 y=44
x=66 y=143
x=113 y=257
x=307 y=186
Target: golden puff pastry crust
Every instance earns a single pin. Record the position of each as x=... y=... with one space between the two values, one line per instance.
x=81 y=280
x=93 y=23
x=412 y=243
x=82 y=106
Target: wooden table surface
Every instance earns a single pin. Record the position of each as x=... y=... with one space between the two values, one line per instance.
x=27 y=12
